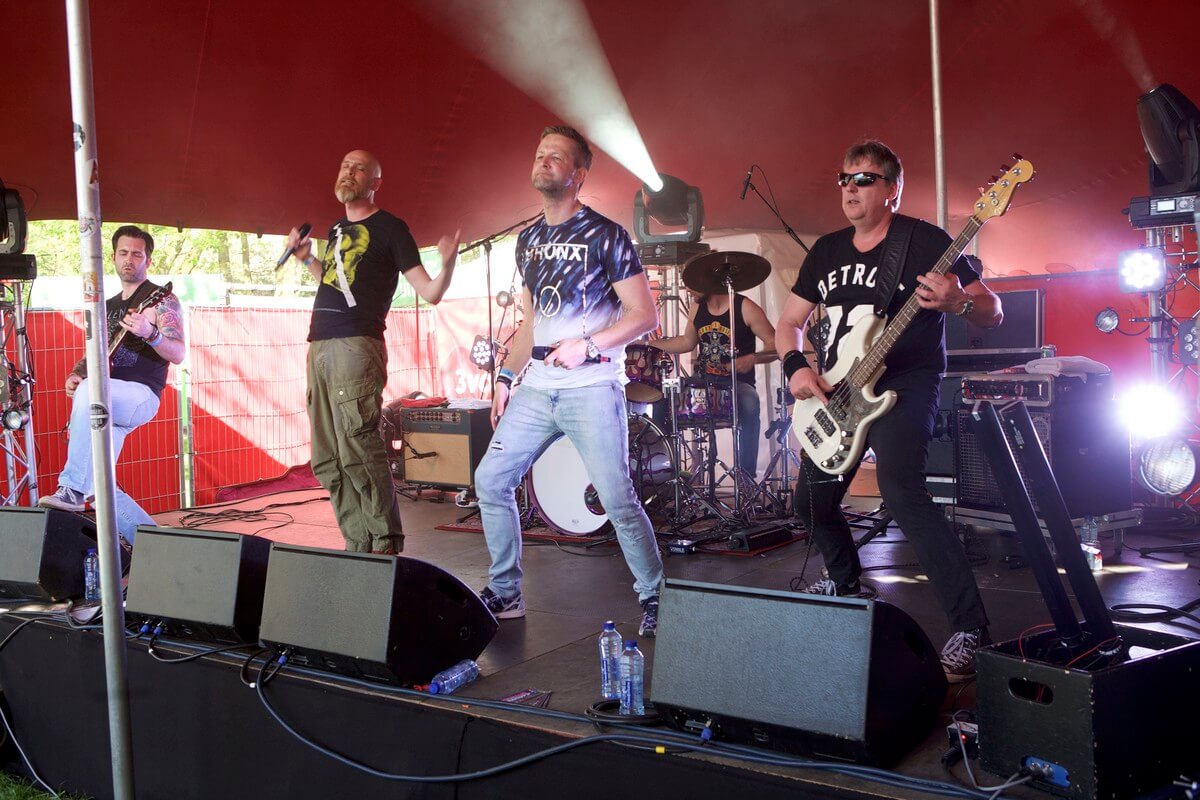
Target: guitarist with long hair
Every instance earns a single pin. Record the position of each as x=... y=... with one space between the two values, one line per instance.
x=145 y=325
x=848 y=272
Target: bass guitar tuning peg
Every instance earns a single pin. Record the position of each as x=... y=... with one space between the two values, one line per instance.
x=1005 y=167
x=1017 y=156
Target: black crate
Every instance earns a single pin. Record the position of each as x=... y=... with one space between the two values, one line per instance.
x=1117 y=732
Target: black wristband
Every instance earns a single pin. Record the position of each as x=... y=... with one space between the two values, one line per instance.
x=507 y=381
x=793 y=362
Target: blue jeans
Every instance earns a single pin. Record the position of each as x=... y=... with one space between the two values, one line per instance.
x=132 y=405
x=749 y=427
x=593 y=418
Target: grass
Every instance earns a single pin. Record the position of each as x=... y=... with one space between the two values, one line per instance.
x=14 y=788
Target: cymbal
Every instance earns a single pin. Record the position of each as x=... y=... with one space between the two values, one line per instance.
x=706 y=272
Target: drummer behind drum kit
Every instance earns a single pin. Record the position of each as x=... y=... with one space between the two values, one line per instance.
x=674 y=462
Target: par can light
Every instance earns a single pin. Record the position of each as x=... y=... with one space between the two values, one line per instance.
x=1141 y=271
x=1107 y=320
x=1167 y=466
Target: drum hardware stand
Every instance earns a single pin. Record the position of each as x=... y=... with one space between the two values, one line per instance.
x=781 y=460
x=671 y=387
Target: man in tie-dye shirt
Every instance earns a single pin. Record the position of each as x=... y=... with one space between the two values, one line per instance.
x=586 y=297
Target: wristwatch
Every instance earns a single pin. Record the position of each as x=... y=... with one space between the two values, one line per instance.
x=967 y=308
x=593 y=351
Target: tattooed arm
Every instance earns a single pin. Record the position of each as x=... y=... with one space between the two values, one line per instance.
x=165 y=319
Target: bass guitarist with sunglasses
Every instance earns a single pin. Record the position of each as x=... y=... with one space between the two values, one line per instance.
x=880 y=261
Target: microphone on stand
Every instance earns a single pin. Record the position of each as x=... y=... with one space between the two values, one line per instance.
x=746 y=183
x=303 y=230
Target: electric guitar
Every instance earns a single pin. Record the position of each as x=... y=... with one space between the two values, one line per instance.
x=152 y=300
x=834 y=434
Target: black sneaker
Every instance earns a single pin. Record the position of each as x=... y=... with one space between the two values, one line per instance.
x=828 y=588
x=503 y=607
x=649 y=626
x=958 y=656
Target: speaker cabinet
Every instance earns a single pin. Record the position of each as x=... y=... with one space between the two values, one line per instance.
x=205 y=585
x=387 y=618
x=42 y=552
x=1085 y=442
x=442 y=446
x=829 y=677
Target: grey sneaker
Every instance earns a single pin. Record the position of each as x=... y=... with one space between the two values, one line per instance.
x=503 y=607
x=828 y=588
x=65 y=499
x=649 y=627
x=958 y=656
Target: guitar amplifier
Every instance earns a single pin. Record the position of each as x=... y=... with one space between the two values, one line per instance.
x=443 y=446
x=1076 y=422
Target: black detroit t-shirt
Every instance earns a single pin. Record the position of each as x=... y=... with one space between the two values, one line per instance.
x=835 y=274
x=364 y=260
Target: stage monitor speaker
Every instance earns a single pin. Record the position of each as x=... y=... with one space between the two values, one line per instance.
x=382 y=617
x=205 y=585
x=442 y=446
x=828 y=677
x=42 y=552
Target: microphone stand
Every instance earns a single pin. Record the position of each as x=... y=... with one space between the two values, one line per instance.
x=820 y=344
x=486 y=243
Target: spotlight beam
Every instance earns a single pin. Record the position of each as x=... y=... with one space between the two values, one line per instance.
x=549 y=50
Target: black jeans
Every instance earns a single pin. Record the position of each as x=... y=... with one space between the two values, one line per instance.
x=900 y=440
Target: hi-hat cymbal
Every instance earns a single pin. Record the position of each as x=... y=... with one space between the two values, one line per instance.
x=706 y=273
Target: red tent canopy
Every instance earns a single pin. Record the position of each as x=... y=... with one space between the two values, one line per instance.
x=235 y=115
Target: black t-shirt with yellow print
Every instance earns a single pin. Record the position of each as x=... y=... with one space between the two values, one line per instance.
x=362 y=264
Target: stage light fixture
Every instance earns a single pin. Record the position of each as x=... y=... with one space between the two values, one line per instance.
x=1167 y=466
x=13 y=224
x=15 y=419
x=673 y=205
x=1170 y=126
x=1150 y=411
x=1187 y=342
x=1107 y=320
x=1142 y=270
x=483 y=353
x=504 y=298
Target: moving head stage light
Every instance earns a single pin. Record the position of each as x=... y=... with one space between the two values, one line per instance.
x=1170 y=126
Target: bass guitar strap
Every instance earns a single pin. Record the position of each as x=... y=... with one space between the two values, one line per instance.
x=891 y=262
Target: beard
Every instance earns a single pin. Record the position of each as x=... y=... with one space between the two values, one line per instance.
x=347 y=192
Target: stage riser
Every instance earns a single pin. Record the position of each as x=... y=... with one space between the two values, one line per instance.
x=199 y=733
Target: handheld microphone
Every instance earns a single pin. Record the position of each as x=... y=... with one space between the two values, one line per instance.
x=303 y=230
x=746 y=183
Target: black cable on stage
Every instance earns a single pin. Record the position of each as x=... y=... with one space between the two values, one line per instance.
x=1125 y=612
x=199 y=654
x=17 y=630
x=4 y=717
x=662 y=739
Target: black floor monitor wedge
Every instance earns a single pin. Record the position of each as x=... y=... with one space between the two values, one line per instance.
x=383 y=617
x=42 y=552
x=205 y=585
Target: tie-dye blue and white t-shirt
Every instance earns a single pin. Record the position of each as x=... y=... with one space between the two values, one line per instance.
x=570 y=269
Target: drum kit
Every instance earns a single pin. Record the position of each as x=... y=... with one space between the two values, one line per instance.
x=673 y=421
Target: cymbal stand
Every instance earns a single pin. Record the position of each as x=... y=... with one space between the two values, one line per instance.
x=680 y=486
x=782 y=460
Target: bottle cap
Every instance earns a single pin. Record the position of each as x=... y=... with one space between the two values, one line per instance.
x=610 y=626
x=435 y=688
x=630 y=644
x=91 y=551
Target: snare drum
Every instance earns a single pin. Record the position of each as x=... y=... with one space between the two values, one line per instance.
x=561 y=491
x=701 y=401
x=645 y=366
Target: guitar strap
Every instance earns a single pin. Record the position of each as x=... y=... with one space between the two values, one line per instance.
x=891 y=262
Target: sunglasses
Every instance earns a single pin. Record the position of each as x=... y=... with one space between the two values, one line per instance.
x=860 y=178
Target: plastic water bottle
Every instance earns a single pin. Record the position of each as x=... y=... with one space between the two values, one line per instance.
x=454 y=678
x=633 y=666
x=91 y=577
x=610 y=662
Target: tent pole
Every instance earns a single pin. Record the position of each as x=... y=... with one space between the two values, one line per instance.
x=939 y=152
x=87 y=194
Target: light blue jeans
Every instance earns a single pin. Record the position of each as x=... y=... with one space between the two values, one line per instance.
x=132 y=405
x=593 y=418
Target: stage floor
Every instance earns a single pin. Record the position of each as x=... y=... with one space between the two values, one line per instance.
x=570 y=591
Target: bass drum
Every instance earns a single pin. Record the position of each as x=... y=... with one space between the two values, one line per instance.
x=562 y=494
